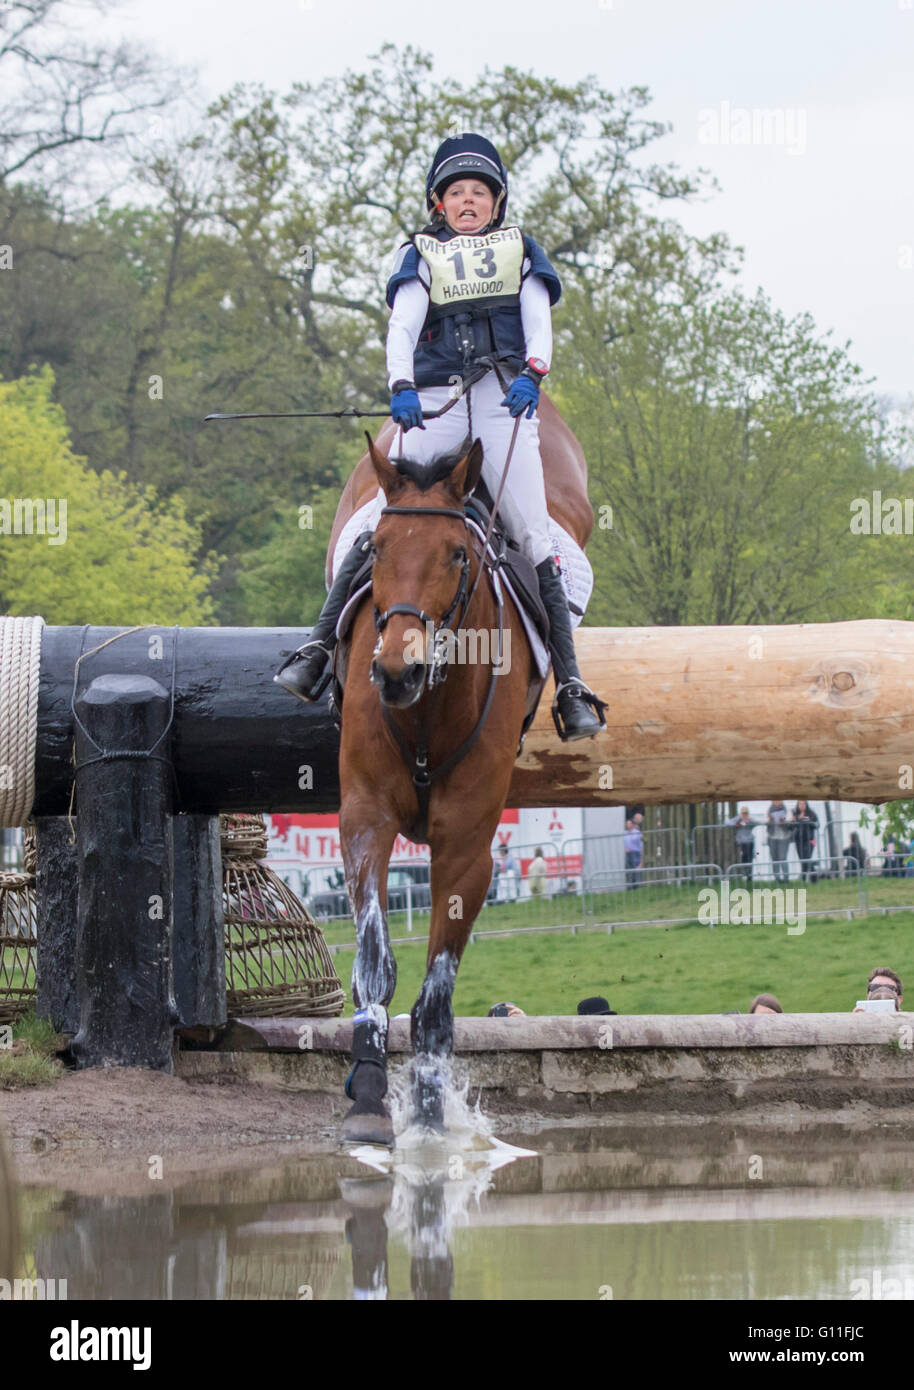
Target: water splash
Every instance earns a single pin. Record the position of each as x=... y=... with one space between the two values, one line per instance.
x=467 y=1143
x=430 y=1182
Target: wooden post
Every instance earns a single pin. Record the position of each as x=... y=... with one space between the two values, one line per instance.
x=57 y=890
x=124 y=840
x=199 y=927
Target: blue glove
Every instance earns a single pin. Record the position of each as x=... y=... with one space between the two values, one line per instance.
x=523 y=393
x=406 y=408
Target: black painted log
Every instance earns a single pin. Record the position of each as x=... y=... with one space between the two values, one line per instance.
x=198 y=941
x=57 y=891
x=124 y=843
x=239 y=742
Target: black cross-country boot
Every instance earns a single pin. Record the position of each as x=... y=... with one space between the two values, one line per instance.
x=576 y=710
x=306 y=673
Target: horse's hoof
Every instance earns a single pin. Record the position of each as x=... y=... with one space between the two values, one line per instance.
x=367 y=1129
x=435 y=1125
x=428 y=1104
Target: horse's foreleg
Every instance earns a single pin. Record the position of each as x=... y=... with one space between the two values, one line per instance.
x=460 y=881
x=366 y=853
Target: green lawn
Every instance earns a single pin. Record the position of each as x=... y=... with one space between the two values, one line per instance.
x=652 y=901
x=677 y=970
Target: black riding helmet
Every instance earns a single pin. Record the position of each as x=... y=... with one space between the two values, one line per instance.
x=468 y=155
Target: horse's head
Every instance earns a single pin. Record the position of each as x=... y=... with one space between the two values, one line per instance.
x=421 y=564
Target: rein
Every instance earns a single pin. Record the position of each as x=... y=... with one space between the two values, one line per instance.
x=422 y=775
x=417 y=761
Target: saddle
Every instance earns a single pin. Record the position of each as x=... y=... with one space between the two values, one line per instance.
x=503 y=554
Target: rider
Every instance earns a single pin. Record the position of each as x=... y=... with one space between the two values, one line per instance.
x=475 y=313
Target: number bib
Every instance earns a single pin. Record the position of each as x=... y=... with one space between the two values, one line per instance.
x=472 y=269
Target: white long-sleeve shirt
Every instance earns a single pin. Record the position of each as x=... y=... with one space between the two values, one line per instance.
x=410 y=308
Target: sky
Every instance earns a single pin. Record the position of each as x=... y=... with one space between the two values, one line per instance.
x=802 y=109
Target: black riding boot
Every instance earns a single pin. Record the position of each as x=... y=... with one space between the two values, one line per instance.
x=577 y=711
x=306 y=673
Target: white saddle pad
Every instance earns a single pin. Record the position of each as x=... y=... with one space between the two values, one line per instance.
x=577 y=574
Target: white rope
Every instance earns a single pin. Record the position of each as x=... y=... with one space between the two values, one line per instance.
x=20 y=660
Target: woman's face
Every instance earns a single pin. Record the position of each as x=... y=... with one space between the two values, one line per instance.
x=468 y=205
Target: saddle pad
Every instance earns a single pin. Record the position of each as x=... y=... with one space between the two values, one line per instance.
x=577 y=574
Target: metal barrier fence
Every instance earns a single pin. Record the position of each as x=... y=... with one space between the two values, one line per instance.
x=655 y=894
x=612 y=900
x=663 y=847
x=832 y=841
x=589 y=887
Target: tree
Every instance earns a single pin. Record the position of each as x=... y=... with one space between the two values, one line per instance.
x=254 y=278
x=726 y=444
x=78 y=546
x=66 y=92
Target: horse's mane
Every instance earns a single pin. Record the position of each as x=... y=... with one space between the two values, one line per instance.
x=425 y=475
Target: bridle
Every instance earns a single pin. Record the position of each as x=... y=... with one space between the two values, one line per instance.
x=422 y=775
x=436 y=670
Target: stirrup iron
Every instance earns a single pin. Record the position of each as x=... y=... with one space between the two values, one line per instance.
x=589 y=698
x=323 y=681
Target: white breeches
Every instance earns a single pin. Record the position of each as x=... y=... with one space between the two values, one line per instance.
x=523 y=502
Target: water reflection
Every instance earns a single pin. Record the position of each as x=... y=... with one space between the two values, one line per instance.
x=663 y=1213
x=430 y=1184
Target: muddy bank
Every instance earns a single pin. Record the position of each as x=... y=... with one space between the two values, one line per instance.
x=95 y=1131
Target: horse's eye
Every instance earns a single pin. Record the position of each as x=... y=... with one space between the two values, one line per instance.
x=459 y=555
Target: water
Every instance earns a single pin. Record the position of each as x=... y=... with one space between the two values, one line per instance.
x=657 y=1211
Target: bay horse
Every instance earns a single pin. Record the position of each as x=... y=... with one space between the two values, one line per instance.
x=429 y=760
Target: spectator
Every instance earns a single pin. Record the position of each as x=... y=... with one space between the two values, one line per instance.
x=855 y=854
x=536 y=874
x=634 y=849
x=889 y=859
x=497 y=1010
x=745 y=839
x=780 y=833
x=766 y=1004
x=596 y=1005
x=508 y=876
x=880 y=992
x=806 y=825
x=885 y=979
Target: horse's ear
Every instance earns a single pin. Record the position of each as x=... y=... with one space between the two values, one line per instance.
x=386 y=473
x=467 y=473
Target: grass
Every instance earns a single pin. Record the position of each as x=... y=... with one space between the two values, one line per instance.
x=688 y=969
x=30 y=1061
x=655 y=900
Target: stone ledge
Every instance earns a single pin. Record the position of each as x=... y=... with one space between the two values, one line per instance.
x=746 y=1085
x=625 y=1031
